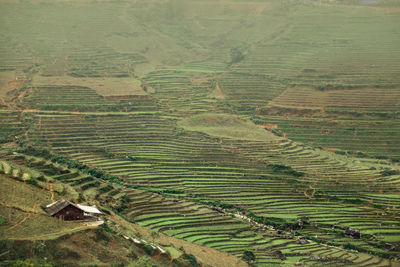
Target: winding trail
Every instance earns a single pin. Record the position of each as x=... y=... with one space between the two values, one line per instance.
x=23 y=220
x=51 y=190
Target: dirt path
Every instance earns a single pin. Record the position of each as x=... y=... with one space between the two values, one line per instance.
x=24 y=219
x=51 y=190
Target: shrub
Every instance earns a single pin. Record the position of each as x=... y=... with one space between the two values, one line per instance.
x=191 y=259
x=389 y=172
x=334 y=244
x=101 y=234
x=350 y=246
x=149 y=250
x=248 y=256
x=41 y=178
x=286 y=169
x=123 y=203
x=237 y=54
x=131 y=158
x=32 y=182
x=143 y=261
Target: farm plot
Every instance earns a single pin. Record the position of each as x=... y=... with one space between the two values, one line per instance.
x=370 y=135
x=182 y=92
x=360 y=99
x=198 y=223
x=102 y=86
x=78 y=98
x=10 y=124
x=188 y=147
x=321 y=185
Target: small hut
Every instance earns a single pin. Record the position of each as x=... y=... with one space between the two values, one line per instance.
x=90 y=213
x=68 y=211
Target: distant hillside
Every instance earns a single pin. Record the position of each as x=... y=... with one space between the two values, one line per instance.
x=227 y=131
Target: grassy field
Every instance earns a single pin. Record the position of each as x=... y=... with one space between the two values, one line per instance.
x=226 y=125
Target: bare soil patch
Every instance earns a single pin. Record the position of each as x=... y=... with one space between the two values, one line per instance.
x=8 y=82
x=228 y=126
x=103 y=86
x=217 y=93
x=269 y=126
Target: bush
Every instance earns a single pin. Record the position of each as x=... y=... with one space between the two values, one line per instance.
x=286 y=169
x=101 y=234
x=41 y=178
x=191 y=259
x=131 y=158
x=123 y=201
x=237 y=54
x=389 y=172
x=351 y=246
x=143 y=261
x=149 y=250
x=32 y=182
x=248 y=256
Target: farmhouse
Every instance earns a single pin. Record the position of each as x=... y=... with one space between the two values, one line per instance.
x=68 y=211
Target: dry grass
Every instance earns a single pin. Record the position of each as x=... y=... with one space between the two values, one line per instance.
x=5 y=78
x=360 y=98
x=19 y=195
x=103 y=86
x=229 y=126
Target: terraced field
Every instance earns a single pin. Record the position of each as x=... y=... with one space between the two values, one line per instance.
x=214 y=168
x=196 y=222
x=249 y=125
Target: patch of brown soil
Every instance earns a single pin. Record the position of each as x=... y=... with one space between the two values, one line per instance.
x=23 y=220
x=15 y=84
x=217 y=93
x=269 y=126
x=330 y=149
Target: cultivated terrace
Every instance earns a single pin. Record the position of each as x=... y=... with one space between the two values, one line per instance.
x=209 y=133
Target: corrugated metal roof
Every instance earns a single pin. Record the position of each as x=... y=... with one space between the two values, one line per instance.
x=89 y=209
x=55 y=207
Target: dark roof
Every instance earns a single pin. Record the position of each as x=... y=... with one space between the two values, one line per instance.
x=55 y=207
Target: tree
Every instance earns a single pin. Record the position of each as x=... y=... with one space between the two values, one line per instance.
x=237 y=54
x=248 y=257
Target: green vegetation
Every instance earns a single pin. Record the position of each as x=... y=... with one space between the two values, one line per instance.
x=248 y=256
x=239 y=126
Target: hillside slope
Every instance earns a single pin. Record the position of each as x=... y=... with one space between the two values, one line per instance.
x=229 y=127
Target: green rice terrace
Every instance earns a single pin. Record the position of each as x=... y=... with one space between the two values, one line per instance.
x=208 y=133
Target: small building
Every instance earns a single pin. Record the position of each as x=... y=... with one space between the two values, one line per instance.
x=89 y=212
x=68 y=211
